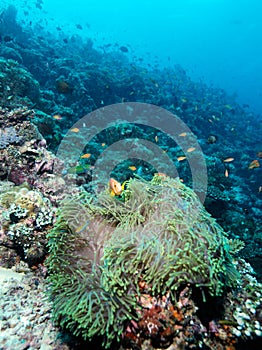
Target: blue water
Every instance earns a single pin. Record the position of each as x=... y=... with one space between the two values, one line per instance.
x=216 y=41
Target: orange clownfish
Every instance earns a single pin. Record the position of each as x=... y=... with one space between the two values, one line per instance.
x=115 y=187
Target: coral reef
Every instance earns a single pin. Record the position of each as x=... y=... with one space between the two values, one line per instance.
x=122 y=270
x=230 y=322
x=17 y=84
x=8 y=136
x=30 y=191
x=26 y=218
x=24 y=156
x=25 y=313
x=108 y=254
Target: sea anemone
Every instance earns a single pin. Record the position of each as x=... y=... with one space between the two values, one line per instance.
x=102 y=247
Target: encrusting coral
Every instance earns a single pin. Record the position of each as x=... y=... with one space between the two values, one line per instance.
x=25 y=217
x=103 y=247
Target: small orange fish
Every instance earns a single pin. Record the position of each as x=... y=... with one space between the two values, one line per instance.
x=115 y=186
x=254 y=164
x=132 y=167
x=191 y=149
x=226 y=173
x=228 y=160
x=74 y=130
x=161 y=174
x=103 y=144
x=183 y=134
x=86 y=155
x=181 y=158
x=57 y=117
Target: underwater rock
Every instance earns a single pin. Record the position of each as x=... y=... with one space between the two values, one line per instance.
x=63 y=86
x=55 y=187
x=108 y=252
x=13 y=116
x=26 y=217
x=24 y=157
x=25 y=314
x=12 y=54
x=8 y=136
x=16 y=83
x=31 y=57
